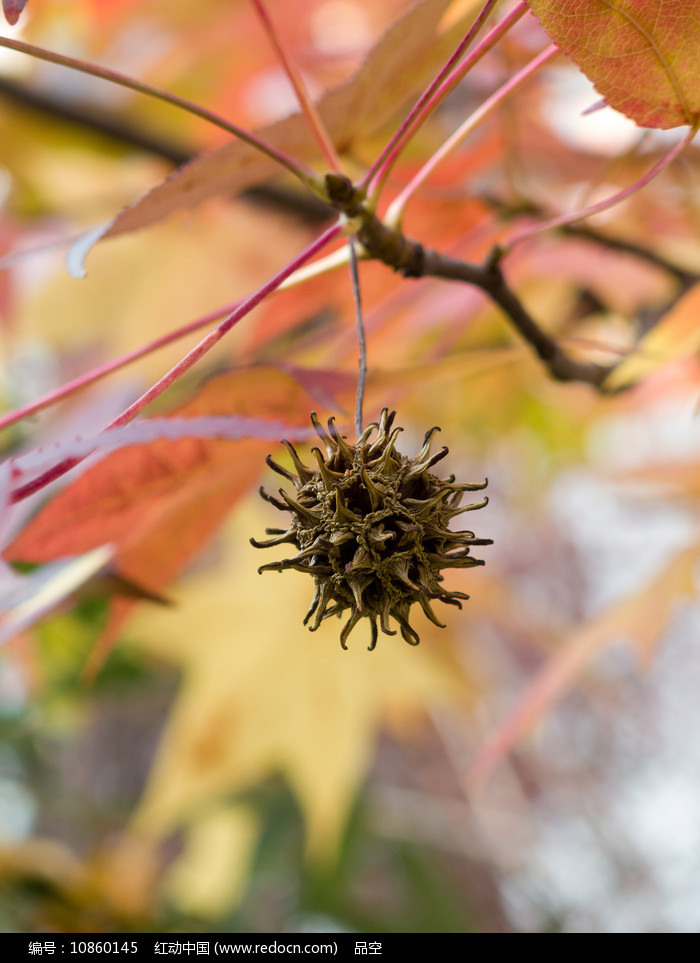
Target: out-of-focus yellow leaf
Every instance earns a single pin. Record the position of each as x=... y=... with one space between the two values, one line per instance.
x=140 y=288
x=208 y=877
x=263 y=695
x=640 y=618
x=676 y=336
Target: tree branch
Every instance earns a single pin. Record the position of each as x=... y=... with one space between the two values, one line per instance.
x=101 y=122
x=686 y=278
x=104 y=123
x=412 y=260
x=492 y=282
x=585 y=232
x=379 y=241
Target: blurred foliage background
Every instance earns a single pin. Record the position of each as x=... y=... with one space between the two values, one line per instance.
x=220 y=768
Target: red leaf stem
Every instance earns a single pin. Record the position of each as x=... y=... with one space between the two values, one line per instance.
x=446 y=80
x=311 y=115
x=208 y=342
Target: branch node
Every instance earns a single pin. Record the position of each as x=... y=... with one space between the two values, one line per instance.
x=414 y=266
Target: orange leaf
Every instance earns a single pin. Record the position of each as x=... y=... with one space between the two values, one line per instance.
x=404 y=60
x=642 y=55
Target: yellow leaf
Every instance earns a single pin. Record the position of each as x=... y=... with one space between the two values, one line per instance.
x=209 y=876
x=677 y=335
x=139 y=288
x=263 y=695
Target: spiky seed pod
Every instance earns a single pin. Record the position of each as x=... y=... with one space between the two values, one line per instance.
x=372 y=528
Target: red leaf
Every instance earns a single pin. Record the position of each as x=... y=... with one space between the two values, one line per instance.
x=159 y=503
x=24 y=468
x=13 y=9
x=642 y=55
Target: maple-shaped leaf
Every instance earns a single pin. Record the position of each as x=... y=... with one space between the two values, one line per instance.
x=12 y=9
x=643 y=56
x=262 y=695
x=403 y=61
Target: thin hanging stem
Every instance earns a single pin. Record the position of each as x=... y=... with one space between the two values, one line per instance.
x=609 y=202
x=361 y=339
x=305 y=174
x=446 y=81
x=395 y=211
x=205 y=345
x=311 y=115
